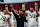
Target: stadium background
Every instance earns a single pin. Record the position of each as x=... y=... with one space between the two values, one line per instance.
x=18 y=6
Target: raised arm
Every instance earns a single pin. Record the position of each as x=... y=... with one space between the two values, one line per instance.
x=9 y=24
x=37 y=12
x=14 y=12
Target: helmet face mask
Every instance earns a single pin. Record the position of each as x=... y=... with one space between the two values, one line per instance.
x=31 y=9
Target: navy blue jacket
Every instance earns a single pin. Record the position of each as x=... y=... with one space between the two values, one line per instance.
x=20 y=20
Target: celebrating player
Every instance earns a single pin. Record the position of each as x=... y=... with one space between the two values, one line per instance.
x=4 y=19
x=32 y=18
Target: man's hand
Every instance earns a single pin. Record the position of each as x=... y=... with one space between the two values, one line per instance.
x=9 y=13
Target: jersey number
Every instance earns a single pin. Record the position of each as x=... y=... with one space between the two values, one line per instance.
x=3 y=18
x=32 y=16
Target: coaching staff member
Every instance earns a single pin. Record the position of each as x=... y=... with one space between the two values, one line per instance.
x=20 y=18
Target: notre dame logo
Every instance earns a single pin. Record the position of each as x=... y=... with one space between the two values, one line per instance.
x=2 y=17
x=19 y=16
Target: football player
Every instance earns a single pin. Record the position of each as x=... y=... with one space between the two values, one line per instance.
x=32 y=18
x=13 y=20
x=4 y=19
x=8 y=13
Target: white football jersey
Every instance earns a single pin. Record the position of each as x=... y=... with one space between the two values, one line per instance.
x=27 y=14
x=26 y=23
x=13 y=20
x=32 y=18
x=39 y=12
x=39 y=20
x=3 y=19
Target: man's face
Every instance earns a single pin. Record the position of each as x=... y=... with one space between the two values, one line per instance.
x=4 y=11
x=16 y=12
x=20 y=12
x=31 y=9
x=11 y=7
